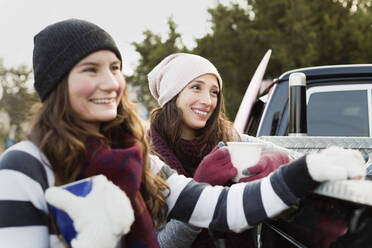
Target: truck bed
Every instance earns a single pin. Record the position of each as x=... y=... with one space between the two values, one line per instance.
x=336 y=214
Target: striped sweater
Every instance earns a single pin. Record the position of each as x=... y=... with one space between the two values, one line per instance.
x=176 y=234
x=24 y=215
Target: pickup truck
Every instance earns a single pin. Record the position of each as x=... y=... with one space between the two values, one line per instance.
x=338 y=103
x=339 y=112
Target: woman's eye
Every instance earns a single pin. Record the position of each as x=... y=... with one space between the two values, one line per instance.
x=115 y=68
x=215 y=92
x=90 y=69
x=196 y=87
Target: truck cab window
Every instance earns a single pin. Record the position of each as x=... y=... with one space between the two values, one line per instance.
x=338 y=113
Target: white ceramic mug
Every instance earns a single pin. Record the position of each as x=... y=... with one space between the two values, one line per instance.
x=244 y=155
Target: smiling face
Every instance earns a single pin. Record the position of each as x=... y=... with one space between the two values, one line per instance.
x=95 y=87
x=197 y=102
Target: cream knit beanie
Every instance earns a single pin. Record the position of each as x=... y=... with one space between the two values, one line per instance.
x=174 y=72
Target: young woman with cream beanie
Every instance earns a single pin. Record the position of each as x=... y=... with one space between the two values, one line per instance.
x=185 y=130
x=188 y=125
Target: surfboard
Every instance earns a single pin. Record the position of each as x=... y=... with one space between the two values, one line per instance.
x=242 y=116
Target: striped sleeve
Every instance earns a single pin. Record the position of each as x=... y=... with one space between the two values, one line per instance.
x=239 y=207
x=24 y=218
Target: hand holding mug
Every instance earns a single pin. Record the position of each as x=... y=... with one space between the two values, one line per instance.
x=269 y=161
x=243 y=155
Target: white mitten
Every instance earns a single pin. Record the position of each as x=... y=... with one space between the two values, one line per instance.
x=101 y=218
x=335 y=163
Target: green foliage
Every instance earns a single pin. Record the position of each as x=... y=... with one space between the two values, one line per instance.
x=301 y=33
x=230 y=48
x=16 y=97
x=152 y=50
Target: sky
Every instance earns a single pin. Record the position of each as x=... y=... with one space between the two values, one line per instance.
x=125 y=20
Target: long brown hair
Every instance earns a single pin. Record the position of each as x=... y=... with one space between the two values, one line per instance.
x=167 y=122
x=60 y=136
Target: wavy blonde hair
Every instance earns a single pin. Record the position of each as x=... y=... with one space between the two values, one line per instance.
x=60 y=135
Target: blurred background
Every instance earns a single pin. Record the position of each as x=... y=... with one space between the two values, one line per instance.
x=234 y=35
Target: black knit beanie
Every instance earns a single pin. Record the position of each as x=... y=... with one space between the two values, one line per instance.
x=60 y=46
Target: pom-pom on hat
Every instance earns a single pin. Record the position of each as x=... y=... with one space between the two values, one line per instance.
x=174 y=72
x=60 y=46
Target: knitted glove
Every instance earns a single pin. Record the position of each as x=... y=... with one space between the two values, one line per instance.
x=269 y=161
x=216 y=168
x=100 y=218
x=335 y=163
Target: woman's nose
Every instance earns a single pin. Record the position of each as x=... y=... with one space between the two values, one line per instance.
x=109 y=81
x=206 y=98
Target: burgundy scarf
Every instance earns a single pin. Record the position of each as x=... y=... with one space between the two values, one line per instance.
x=123 y=166
x=186 y=164
x=188 y=158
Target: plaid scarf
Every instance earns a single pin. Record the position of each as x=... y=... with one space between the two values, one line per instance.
x=123 y=166
x=187 y=159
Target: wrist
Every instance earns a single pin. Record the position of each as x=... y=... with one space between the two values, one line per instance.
x=296 y=175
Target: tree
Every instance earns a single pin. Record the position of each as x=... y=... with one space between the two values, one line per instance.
x=301 y=33
x=152 y=50
x=16 y=97
x=231 y=48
